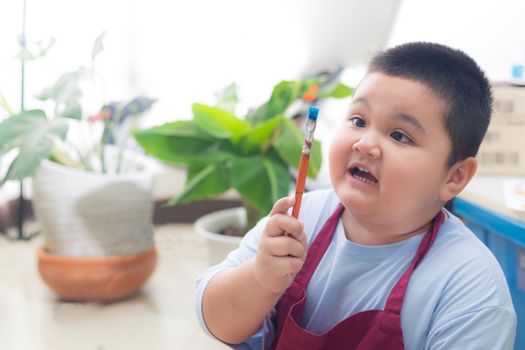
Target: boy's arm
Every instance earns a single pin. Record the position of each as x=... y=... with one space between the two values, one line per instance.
x=237 y=300
x=234 y=305
x=490 y=328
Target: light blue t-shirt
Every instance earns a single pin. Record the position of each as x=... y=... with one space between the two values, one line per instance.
x=457 y=297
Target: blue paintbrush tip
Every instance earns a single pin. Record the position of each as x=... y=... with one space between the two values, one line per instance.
x=312 y=113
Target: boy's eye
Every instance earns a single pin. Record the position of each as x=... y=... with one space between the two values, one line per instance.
x=357 y=121
x=400 y=137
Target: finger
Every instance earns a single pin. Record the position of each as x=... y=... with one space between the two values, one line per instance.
x=303 y=240
x=279 y=224
x=282 y=205
x=288 y=265
x=296 y=231
x=285 y=246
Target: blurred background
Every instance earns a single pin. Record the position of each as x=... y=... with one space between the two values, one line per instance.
x=181 y=52
x=185 y=50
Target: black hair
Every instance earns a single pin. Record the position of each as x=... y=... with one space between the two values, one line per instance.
x=453 y=76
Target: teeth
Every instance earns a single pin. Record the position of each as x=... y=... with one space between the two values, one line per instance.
x=363 y=178
x=360 y=178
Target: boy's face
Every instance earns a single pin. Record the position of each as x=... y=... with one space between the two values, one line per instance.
x=388 y=157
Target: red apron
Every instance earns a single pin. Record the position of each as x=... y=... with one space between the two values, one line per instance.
x=373 y=329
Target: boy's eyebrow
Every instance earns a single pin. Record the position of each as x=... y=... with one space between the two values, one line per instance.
x=410 y=119
x=360 y=100
x=401 y=116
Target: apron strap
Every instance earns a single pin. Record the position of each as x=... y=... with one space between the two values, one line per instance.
x=395 y=299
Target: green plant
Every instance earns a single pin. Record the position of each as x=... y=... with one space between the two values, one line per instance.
x=251 y=154
x=33 y=135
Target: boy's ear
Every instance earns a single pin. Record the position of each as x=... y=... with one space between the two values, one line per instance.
x=458 y=176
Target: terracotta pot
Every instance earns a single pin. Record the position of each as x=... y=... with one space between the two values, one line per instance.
x=96 y=279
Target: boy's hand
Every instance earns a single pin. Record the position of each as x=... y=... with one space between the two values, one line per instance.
x=282 y=249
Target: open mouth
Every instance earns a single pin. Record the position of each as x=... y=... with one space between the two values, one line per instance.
x=363 y=175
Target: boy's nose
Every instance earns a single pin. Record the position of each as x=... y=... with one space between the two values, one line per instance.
x=368 y=145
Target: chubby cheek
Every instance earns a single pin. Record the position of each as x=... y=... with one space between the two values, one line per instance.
x=400 y=179
x=339 y=156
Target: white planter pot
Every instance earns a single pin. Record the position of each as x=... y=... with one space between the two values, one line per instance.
x=90 y=214
x=209 y=226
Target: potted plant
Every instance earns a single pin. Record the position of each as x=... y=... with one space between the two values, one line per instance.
x=92 y=199
x=251 y=155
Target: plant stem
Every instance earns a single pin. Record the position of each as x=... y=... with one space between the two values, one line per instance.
x=82 y=159
x=120 y=154
x=102 y=159
x=21 y=209
x=61 y=157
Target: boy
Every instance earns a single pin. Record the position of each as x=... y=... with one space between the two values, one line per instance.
x=376 y=262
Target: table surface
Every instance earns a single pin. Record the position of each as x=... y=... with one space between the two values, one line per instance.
x=161 y=316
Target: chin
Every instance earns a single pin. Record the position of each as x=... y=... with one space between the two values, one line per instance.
x=352 y=202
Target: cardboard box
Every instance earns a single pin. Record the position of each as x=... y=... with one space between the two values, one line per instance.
x=502 y=151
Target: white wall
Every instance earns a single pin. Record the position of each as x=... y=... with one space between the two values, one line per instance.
x=182 y=51
x=74 y=25
x=491 y=31
x=186 y=50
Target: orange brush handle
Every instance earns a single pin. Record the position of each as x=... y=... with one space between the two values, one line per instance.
x=301 y=180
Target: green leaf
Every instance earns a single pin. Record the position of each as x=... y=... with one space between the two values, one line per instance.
x=180 y=128
x=182 y=142
x=15 y=129
x=278 y=176
x=289 y=145
x=5 y=105
x=218 y=123
x=258 y=139
x=283 y=95
x=34 y=136
x=192 y=171
x=98 y=46
x=72 y=110
x=206 y=182
x=257 y=115
x=260 y=180
x=33 y=53
x=66 y=88
x=45 y=46
x=28 y=160
x=227 y=98
x=337 y=91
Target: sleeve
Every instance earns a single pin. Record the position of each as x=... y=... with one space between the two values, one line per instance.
x=488 y=328
x=247 y=250
x=475 y=310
